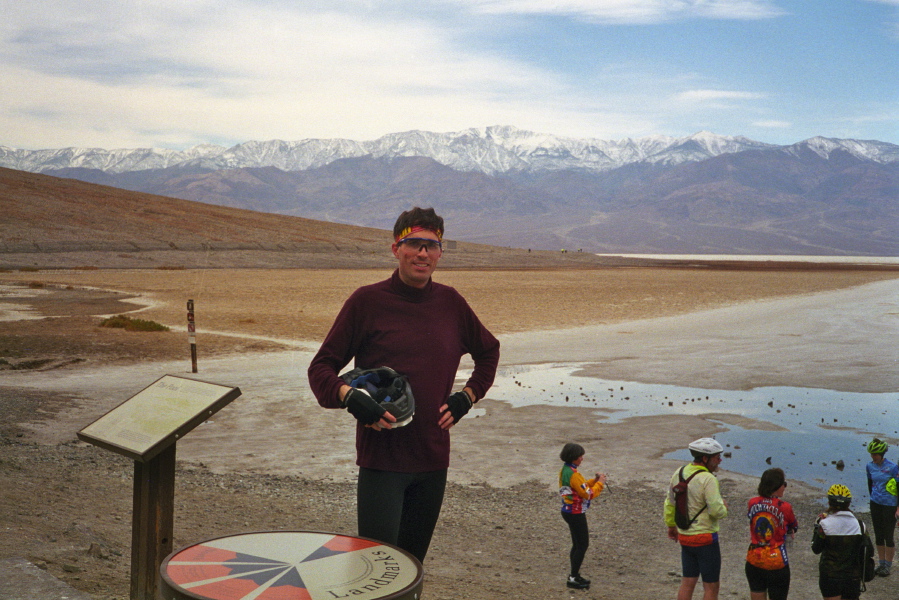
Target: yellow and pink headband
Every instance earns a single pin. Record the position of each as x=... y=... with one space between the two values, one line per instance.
x=410 y=230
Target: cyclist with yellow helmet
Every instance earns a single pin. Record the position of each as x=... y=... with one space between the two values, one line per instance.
x=880 y=472
x=838 y=533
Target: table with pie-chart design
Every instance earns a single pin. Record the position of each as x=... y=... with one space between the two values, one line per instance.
x=290 y=565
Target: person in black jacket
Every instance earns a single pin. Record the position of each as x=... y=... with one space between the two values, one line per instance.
x=838 y=536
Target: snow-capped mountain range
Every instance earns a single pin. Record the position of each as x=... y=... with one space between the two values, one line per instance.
x=704 y=193
x=491 y=150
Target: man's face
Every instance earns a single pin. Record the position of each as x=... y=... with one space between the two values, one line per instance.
x=712 y=463
x=417 y=254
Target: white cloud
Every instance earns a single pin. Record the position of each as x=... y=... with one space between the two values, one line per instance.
x=246 y=71
x=773 y=124
x=632 y=11
x=716 y=95
x=174 y=73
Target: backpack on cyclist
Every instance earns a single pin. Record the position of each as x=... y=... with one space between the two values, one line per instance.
x=681 y=512
x=866 y=556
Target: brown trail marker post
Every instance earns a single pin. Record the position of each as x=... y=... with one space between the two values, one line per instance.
x=192 y=336
x=145 y=428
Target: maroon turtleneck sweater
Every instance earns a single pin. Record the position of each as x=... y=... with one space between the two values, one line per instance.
x=420 y=333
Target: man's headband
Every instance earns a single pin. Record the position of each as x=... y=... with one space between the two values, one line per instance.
x=410 y=230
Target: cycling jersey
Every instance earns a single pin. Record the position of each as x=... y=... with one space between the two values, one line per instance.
x=878 y=476
x=770 y=520
x=577 y=492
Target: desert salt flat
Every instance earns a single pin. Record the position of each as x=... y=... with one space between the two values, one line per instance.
x=276 y=411
x=728 y=363
x=16 y=312
x=845 y=260
x=841 y=340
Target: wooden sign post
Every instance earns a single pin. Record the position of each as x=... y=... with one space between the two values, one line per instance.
x=192 y=335
x=145 y=428
x=152 y=521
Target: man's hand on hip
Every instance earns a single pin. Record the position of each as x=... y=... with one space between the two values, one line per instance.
x=456 y=407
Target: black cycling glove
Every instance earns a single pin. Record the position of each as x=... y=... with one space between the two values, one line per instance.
x=363 y=407
x=458 y=404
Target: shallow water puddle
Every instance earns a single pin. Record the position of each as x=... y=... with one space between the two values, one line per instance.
x=804 y=431
x=817 y=436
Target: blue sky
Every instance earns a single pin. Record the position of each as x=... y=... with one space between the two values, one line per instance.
x=174 y=74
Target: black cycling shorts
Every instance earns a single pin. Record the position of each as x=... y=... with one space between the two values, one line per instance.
x=702 y=560
x=883 y=518
x=775 y=583
x=847 y=589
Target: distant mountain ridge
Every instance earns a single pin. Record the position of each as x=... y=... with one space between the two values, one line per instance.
x=503 y=186
x=492 y=150
x=49 y=223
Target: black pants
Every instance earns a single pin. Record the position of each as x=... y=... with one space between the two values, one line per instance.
x=400 y=509
x=884 y=519
x=775 y=583
x=580 y=539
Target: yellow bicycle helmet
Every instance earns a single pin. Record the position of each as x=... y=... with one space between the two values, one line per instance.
x=839 y=494
x=877 y=446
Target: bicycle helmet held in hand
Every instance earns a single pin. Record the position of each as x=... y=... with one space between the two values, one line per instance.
x=386 y=387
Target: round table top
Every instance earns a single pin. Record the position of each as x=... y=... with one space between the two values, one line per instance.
x=290 y=565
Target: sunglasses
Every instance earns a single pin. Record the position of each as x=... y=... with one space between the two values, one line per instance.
x=417 y=243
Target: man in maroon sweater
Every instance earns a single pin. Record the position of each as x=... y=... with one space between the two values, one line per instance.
x=421 y=329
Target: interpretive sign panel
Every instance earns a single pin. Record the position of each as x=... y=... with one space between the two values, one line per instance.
x=157 y=416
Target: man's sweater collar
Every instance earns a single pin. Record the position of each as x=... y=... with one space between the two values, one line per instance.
x=413 y=294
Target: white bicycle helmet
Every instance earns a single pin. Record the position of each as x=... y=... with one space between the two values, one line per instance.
x=708 y=446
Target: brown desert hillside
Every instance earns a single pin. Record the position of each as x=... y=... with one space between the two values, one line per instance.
x=50 y=222
x=39 y=209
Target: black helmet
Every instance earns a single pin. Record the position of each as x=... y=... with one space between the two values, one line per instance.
x=387 y=387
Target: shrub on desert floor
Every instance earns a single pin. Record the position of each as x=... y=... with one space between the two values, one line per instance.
x=128 y=324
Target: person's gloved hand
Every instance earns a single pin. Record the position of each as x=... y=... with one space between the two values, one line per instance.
x=363 y=407
x=458 y=405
